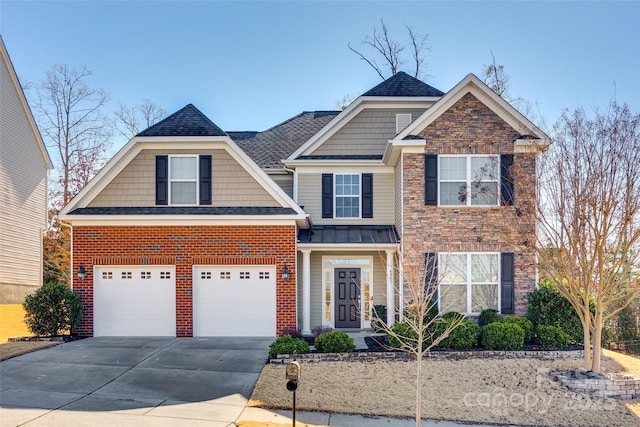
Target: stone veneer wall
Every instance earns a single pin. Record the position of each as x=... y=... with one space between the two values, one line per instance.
x=469 y=127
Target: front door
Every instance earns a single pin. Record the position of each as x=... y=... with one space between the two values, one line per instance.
x=347 y=297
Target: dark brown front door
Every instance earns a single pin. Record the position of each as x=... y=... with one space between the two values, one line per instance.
x=347 y=295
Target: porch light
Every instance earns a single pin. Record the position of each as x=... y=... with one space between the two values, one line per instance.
x=81 y=272
x=285 y=273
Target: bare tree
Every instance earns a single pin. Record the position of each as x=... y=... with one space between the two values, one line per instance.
x=390 y=52
x=69 y=115
x=130 y=121
x=418 y=334
x=589 y=216
x=497 y=79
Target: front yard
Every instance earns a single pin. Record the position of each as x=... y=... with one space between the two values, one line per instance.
x=493 y=390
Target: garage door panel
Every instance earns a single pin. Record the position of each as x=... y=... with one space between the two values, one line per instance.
x=234 y=301
x=134 y=301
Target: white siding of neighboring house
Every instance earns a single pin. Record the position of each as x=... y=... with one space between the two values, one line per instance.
x=366 y=134
x=23 y=194
x=310 y=196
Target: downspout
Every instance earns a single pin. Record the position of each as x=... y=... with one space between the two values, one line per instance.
x=295 y=182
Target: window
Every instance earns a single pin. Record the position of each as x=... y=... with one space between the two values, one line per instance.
x=205 y=275
x=107 y=275
x=126 y=275
x=245 y=275
x=469 y=282
x=145 y=275
x=225 y=275
x=165 y=275
x=183 y=180
x=347 y=196
x=264 y=275
x=468 y=180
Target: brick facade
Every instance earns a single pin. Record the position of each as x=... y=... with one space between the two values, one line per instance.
x=185 y=246
x=469 y=127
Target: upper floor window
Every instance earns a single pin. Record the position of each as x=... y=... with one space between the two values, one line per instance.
x=473 y=180
x=183 y=180
x=468 y=180
x=347 y=196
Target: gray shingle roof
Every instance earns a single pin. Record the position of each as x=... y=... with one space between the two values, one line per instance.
x=184 y=210
x=367 y=234
x=279 y=142
x=189 y=121
x=402 y=84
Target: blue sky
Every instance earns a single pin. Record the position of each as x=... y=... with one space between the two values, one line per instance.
x=251 y=65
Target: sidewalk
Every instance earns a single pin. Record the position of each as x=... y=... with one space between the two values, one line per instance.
x=253 y=417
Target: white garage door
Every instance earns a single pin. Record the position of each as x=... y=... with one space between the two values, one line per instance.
x=234 y=301
x=134 y=301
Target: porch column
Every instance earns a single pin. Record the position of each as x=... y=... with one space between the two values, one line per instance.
x=306 y=292
x=391 y=309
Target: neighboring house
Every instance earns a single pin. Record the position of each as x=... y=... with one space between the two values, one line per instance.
x=24 y=168
x=188 y=230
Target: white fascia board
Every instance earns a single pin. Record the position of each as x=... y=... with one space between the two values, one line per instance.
x=355 y=108
x=334 y=167
x=345 y=247
x=395 y=147
x=475 y=86
x=183 y=220
x=333 y=162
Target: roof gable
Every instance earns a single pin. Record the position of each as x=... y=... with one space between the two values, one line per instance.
x=189 y=121
x=402 y=84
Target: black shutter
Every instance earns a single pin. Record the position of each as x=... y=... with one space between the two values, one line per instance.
x=506 y=182
x=205 y=180
x=367 y=195
x=507 y=283
x=162 y=180
x=327 y=195
x=431 y=275
x=430 y=179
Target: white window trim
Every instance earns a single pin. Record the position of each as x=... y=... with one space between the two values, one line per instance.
x=329 y=264
x=197 y=180
x=469 y=284
x=335 y=196
x=469 y=180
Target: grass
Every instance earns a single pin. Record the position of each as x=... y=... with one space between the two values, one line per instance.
x=12 y=322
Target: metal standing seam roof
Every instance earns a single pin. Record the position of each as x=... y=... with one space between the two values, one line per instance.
x=364 y=234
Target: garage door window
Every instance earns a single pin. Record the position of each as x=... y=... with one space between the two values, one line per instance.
x=205 y=275
x=145 y=275
x=126 y=275
x=107 y=275
x=245 y=275
x=165 y=275
x=264 y=275
x=225 y=275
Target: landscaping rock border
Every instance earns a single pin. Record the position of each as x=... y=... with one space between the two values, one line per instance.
x=620 y=386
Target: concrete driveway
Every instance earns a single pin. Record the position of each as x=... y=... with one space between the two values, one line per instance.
x=132 y=381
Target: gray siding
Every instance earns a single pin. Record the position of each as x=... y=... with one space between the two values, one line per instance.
x=23 y=199
x=366 y=134
x=135 y=184
x=309 y=196
x=285 y=181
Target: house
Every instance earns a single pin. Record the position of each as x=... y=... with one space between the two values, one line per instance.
x=190 y=230
x=24 y=169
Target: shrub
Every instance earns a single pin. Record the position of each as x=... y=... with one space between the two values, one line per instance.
x=286 y=344
x=52 y=309
x=502 y=336
x=378 y=320
x=488 y=315
x=525 y=324
x=334 y=342
x=403 y=336
x=547 y=306
x=549 y=336
x=463 y=336
x=451 y=315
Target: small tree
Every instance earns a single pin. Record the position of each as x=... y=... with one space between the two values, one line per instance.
x=589 y=216
x=52 y=310
x=417 y=333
